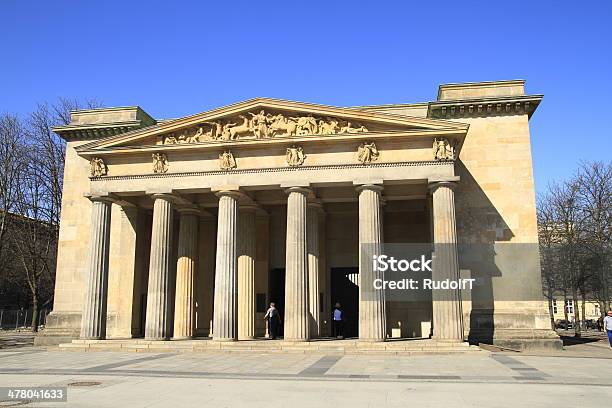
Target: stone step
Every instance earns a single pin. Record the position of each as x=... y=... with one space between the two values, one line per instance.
x=321 y=347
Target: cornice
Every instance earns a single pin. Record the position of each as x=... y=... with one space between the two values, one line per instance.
x=484 y=107
x=95 y=130
x=275 y=170
x=217 y=145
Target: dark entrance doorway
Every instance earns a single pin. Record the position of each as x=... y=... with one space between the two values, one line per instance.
x=276 y=280
x=346 y=292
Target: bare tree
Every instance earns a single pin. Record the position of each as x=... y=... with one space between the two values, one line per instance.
x=549 y=254
x=575 y=229
x=11 y=165
x=595 y=194
x=34 y=192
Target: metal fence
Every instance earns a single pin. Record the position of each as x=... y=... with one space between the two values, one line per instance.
x=21 y=319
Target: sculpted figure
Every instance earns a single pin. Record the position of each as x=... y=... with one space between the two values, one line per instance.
x=350 y=129
x=199 y=135
x=226 y=160
x=279 y=123
x=226 y=133
x=242 y=128
x=97 y=167
x=170 y=139
x=260 y=124
x=367 y=152
x=306 y=125
x=328 y=127
x=295 y=156
x=215 y=131
x=442 y=149
x=160 y=163
x=183 y=137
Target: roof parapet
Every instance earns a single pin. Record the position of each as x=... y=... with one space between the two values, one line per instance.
x=90 y=124
x=478 y=90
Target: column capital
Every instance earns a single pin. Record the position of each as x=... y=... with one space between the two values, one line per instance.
x=166 y=197
x=249 y=207
x=236 y=194
x=298 y=189
x=315 y=204
x=433 y=186
x=101 y=198
x=370 y=187
x=189 y=210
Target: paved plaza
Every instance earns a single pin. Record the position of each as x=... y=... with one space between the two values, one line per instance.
x=580 y=374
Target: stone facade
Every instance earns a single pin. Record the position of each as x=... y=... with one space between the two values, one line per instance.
x=188 y=228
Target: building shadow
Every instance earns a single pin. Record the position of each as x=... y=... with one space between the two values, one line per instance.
x=480 y=229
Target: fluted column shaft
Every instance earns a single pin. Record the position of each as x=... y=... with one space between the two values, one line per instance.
x=297 y=326
x=372 y=308
x=312 y=235
x=447 y=315
x=184 y=304
x=158 y=321
x=226 y=276
x=93 y=319
x=246 y=273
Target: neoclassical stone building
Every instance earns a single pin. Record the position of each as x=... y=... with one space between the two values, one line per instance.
x=188 y=228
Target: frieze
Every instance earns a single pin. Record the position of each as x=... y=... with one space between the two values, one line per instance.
x=279 y=170
x=262 y=125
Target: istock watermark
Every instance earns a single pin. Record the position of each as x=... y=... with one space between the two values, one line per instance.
x=418 y=272
x=426 y=284
x=384 y=263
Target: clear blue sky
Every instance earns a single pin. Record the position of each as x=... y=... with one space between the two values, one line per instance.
x=176 y=58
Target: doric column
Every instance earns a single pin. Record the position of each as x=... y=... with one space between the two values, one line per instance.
x=184 y=305
x=246 y=273
x=226 y=277
x=158 y=322
x=296 y=272
x=93 y=320
x=312 y=235
x=447 y=318
x=372 y=309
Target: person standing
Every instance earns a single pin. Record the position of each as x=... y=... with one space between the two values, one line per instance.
x=273 y=318
x=608 y=326
x=337 y=320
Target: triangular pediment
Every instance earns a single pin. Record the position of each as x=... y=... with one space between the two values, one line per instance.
x=265 y=118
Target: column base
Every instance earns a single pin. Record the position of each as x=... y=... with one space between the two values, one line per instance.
x=157 y=338
x=296 y=340
x=447 y=340
x=183 y=338
x=92 y=337
x=60 y=327
x=224 y=340
x=519 y=339
x=372 y=340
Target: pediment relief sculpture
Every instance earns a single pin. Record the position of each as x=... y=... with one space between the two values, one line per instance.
x=367 y=153
x=160 y=163
x=97 y=167
x=262 y=125
x=295 y=156
x=227 y=161
x=443 y=149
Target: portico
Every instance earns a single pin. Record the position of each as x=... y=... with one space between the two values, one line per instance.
x=171 y=300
